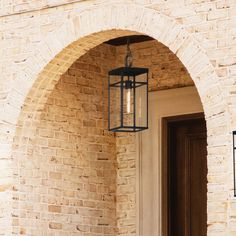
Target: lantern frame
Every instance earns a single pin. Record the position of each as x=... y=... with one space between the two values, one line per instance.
x=234 y=161
x=122 y=72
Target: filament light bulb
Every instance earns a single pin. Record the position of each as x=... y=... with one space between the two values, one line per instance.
x=128 y=102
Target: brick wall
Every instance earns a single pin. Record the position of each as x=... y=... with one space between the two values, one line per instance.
x=39 y=42
x=126 y=184
x=165 y=69
x=75 y=177
x=165 y=72
x=67 y=184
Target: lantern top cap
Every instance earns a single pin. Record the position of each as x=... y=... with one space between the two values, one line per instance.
x=128 y=71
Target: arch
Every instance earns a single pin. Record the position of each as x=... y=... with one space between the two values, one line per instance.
x=61 y=47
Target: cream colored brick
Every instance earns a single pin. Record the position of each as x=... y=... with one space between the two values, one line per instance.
x=53 y=225
x=39 y=44
x=217 y=14
x=55 y=209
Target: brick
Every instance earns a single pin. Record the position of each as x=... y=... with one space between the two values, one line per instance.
x=54 y=100
x=55 y=209
x=53 y=225
x=55 y=175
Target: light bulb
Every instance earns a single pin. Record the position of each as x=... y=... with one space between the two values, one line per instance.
x=128 y=101
x=140 y=108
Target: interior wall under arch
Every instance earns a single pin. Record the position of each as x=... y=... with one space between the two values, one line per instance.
x=72 y=176
x=66 y=182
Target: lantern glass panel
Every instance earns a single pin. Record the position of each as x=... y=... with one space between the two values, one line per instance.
x=128 y=94
x=115 y=101
x=141 y=101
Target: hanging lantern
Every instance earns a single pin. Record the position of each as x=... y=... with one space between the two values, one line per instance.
x=128 y=97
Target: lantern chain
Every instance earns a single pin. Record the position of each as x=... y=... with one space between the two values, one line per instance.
x=128 y=57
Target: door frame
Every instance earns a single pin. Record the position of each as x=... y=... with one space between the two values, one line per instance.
x=166 y=121
x=164 y=103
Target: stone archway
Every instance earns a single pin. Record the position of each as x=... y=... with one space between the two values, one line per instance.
x=79 y=34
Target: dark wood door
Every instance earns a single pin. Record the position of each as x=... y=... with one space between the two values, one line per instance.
x=187 y=178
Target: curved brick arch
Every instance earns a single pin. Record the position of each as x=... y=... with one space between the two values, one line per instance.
x=79 y=34
x=63 y=46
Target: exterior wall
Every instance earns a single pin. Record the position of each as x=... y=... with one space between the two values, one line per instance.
x=66 y=179
x=39 y=42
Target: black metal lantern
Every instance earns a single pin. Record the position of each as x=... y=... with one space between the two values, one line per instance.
x=128 y=97
x=234 y=155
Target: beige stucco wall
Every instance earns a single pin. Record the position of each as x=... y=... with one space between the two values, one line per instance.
x=41 y=39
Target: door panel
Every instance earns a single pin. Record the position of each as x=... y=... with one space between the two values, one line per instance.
x=187 y=178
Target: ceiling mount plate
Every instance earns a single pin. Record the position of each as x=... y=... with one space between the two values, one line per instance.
x=133 y=39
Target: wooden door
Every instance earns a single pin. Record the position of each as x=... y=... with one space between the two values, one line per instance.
x=187 y=177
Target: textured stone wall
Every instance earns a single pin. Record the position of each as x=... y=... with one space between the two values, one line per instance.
x=41 y=39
